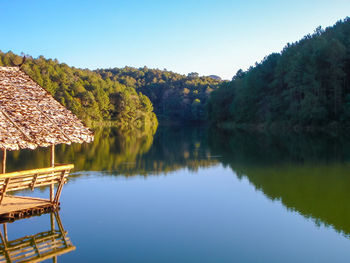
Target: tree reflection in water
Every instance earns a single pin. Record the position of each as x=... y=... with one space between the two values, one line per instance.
x=307 y=173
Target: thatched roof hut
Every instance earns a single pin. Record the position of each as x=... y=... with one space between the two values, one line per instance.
x=31 y=117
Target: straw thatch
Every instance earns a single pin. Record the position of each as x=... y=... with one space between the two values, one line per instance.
x=31 y=117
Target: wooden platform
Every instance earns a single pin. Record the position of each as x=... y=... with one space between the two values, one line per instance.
x=15 y=207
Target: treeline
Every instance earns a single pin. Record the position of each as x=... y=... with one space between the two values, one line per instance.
x=94 y=99
x=175 y=97
x=306 y=85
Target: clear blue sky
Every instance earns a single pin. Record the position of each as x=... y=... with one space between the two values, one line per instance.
x=204 y=36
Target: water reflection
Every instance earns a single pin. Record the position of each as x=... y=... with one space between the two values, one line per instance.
x=307 y=173
x=109 y=149
x=127 y=154
x=37 y=247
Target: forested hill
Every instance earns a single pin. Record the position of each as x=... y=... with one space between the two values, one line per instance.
x=121 y=97
x=175 y=97
x=306 y=85
x=94 y=99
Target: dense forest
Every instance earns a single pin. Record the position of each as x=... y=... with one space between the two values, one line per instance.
x=306 y=85
x=175 y=97
x=86 y=94
x=121 y=97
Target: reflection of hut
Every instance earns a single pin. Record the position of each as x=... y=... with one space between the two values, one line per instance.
x=38 y=247
x=30 y=117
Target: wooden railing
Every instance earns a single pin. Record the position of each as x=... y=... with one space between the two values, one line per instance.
x=31 y=179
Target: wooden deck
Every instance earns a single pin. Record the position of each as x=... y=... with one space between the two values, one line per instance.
x=15 y=207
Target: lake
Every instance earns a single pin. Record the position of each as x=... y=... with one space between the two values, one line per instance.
x=194 y=194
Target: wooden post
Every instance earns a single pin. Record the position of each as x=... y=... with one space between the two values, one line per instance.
x=52 y=160
x=52 y=163
x=7 y=180
x=4 y=155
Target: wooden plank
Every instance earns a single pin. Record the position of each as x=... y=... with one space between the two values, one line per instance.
x=12 y=204
x=38 y=171
x=34 y=181
x=29 y=181
x=4 y=190
x=59 y=188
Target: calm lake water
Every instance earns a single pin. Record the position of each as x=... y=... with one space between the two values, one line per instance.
x=200 y=195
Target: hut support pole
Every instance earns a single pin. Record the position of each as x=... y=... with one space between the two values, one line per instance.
x=4 y=171
x=52 y=163
x=4 y=155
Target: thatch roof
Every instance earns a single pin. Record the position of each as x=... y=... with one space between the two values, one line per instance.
x=31 y=117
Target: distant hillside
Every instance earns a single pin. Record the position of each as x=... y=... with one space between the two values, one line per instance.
x=87 y=94
x=306 y=85
x=122 y=97
x=175 y=97
x=215 y=77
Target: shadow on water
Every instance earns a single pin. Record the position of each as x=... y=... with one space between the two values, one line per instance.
x=307 y=173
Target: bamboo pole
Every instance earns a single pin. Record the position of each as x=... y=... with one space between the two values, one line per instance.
x=52 y=163
x=4 y=155
x=39 y=171
x=52 y=160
